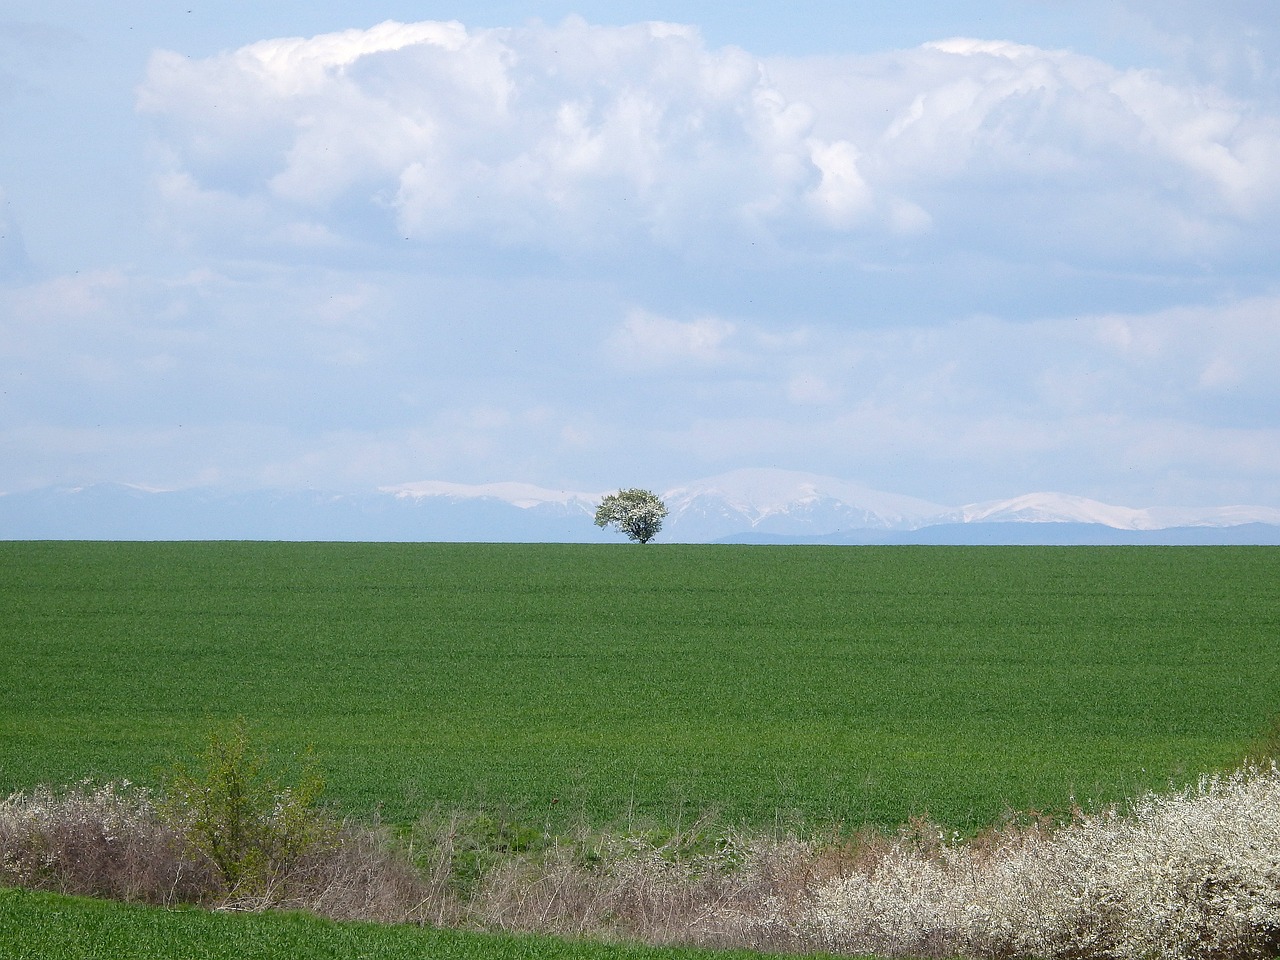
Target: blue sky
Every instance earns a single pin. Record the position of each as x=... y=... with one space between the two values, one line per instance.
x=959 y=251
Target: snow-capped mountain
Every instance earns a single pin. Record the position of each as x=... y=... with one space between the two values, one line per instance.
x=761 y=505
x=785 y=502
x=1064 y=508
x=523 y=495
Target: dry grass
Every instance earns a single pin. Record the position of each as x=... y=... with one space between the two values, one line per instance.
x=115 y=842
x=1189 y=875
x=104 y=841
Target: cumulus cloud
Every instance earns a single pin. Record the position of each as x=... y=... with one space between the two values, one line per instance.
x=1234 y=44
x=567 y=135
x=1142 y=407
x=281 y=380
x=646 y=340
x=1211 y=364
x=1050 y=149
x=587 y=138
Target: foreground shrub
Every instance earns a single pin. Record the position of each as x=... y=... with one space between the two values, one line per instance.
x=1188 y=875
x=225 y=834
x=1193 y=874
x=104 y=841
x=252 y=830
x=116 y=842
x=637 y=886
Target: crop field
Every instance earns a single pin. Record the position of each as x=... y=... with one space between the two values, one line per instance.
x=602 y=682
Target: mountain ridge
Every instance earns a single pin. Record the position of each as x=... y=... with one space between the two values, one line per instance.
x=748 y=505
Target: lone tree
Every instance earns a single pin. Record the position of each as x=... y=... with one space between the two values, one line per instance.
x=637 y=513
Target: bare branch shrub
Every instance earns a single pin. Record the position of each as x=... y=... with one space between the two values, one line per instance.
x=115 y=842
x=361 y=875
x=1187 y=875
x=103 y=841
x=694 y=886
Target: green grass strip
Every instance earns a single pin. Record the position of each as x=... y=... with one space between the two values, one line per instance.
x=40 y=926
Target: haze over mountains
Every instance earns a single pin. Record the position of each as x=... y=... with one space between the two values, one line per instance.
x=743 y=506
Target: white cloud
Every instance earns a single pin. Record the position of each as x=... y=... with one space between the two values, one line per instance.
x=1208 y=364
x=585 y=138
x=1219 y=373
x=327 y=379
x=1235 y=44
x=1021 y=146
x=842 y=197
x=807 y=389
x=1157 y=407
x=568 y=253
x=532 y=135
x=645 y=341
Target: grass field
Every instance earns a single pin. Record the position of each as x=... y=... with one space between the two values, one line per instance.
x=40 y=926
x=564 y=681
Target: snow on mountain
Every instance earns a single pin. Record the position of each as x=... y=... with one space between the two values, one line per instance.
x=761 y=505
x=1054 y=508
x=1064 y=508
x=767 y=501
x=787 y=502
x=1166 y=517
x=522 y=495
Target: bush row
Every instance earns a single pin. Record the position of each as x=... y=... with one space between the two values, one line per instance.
x=1186 y=875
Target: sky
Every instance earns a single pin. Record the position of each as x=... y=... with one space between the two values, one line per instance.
x=959 y=251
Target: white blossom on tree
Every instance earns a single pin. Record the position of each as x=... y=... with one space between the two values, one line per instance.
x=635 y=512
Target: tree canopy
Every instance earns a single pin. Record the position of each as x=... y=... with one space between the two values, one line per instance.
x=635 y=512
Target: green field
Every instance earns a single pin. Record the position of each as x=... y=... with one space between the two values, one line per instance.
x=40 y=926
x=863 y=684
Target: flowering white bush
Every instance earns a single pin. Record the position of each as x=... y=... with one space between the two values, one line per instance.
x=105 y=840
x=1189 y=875
x=1192 y=875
